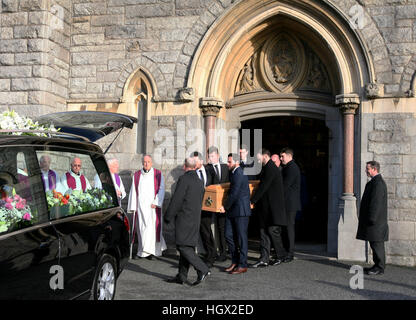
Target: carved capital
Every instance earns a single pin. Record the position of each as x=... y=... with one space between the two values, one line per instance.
x=347 y=103
x=187 y=94
x=374 y=90
x=210 y=106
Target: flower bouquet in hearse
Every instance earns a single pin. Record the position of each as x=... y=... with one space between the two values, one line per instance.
x=14 y=211
x=76 y=201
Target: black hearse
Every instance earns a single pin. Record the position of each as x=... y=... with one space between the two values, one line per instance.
x=58 y=242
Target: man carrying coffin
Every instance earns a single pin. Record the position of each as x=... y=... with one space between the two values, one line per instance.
x=238 y=211
x=73 y=179
x=145 y=200
x=185 y=212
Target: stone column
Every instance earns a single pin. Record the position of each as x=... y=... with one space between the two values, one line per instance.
x=210 y=108
x=348 y=247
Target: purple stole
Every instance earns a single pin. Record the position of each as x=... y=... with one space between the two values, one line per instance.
x=157 y=179
x=51 y=180
x=117 y=177
x=70 y=180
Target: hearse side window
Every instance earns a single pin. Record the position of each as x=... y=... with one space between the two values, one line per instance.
x=69 y=179
x=22 y=201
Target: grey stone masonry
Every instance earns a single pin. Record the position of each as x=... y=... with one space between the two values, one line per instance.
x=392 y=140
x=34 y=54
x=111 y=34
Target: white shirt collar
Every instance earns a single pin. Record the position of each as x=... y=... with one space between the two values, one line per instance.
x=150 y=171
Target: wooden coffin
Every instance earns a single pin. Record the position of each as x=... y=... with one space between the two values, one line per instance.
x=216 y=194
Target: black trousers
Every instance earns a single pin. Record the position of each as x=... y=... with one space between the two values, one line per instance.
x=207 y=238
x=272 y=235
x=220 y=224
x=187 y=258
x=264 y=245
x=379 y=254
x=290 y=228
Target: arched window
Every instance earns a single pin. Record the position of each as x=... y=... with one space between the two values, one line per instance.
x=137 y=97
x=142 y=104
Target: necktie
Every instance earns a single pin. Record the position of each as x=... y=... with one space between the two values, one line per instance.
x=217 y=172
x=201 y=176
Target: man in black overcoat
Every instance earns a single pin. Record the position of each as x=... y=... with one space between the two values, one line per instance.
x=185 y=209
x=372 y=222
x=272 y=216
x=291 y=187
x=220 y=174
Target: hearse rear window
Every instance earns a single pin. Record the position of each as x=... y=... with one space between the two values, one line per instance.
x=75 y=184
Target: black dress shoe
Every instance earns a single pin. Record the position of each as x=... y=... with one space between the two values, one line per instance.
x=149 y=257
x=287 y=259
x=375 y=271
x=276 y=262
x=260 y=264
x=175 y=280
x=201 y=278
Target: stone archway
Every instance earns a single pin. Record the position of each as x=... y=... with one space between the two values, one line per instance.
x=271 y=57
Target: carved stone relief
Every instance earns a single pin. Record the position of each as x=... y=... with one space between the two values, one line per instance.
x=283 y=64
x=248 y=81
x=317 y=78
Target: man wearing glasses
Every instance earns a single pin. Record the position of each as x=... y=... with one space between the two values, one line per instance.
x=73 y=179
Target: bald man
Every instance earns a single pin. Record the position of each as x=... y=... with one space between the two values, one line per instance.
x=145 y=201
x=73 y=179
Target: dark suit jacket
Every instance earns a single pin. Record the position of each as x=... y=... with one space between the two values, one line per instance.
x=185 y=208
x=270 y=195
x=291 y=186
x=372 y=222
x=208 y=178
x=238 y=199
x=224 y=173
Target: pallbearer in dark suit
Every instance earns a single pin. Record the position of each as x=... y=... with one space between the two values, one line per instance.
x=237 y=208
x=207 y=237
x=185 y=210
x=272 y=217
x=372 y=222
x=291 y=187
x=219 y=173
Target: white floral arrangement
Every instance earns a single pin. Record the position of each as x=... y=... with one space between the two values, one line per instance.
x=11 y=120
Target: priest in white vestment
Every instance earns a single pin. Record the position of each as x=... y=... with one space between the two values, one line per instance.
x=145 y=200
x=73 y=179
x=114 y=166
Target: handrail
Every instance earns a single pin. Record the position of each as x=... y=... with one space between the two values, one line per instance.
x=49 y=133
